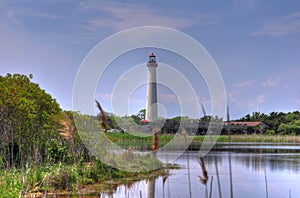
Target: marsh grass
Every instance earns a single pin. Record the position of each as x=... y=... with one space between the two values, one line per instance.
x=64 y=179
x=129 y=141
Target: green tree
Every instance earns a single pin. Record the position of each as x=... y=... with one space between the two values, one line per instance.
x=290 y=128
x=292 y=116
x=29 y=118
x=136 y=119
x=142 y=114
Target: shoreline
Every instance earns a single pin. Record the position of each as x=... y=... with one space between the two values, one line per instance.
x=106 y=187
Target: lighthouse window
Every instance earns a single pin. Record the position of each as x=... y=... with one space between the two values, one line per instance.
x=152 y=59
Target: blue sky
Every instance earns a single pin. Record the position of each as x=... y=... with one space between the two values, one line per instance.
x=255 y=43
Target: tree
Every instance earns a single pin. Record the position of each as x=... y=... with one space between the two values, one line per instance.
x=29 y=119
x=142 y=114
x=291 y=117
x=290 y=128
x=246 y=118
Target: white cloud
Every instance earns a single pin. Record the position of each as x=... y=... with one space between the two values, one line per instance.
x=19 y=35
x=231 y=96
x=270 y=82
x=104 y=96
x=243 y=96
x=203 y=100
x=260 y=98
x=120 y=15
x=243 y=84
x=256 y=103
x=236 y=95
x=286 y=25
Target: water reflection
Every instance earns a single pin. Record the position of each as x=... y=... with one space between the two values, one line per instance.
x=250 y=173
x=150 y=188
x=257 y=162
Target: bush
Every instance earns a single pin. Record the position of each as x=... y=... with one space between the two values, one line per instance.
x=270 y=132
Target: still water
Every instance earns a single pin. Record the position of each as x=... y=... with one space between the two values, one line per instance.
x=257 y=171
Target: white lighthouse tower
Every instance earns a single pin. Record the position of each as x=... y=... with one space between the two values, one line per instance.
x=151 y=100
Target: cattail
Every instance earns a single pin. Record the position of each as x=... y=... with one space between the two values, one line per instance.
x=203 y=179
x=154 y=146
x=102 y=117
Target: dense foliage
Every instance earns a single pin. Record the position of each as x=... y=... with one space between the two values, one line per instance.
x=29 y=119
x=279 y=122
x=40 y=145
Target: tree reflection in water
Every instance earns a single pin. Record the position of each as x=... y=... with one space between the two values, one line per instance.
x=255 y=174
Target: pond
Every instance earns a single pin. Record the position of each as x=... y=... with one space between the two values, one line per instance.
x=258 y=170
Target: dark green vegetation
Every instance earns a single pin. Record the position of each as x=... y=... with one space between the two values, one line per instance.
x=41 y=150
x=279 y=122
x=29 y=120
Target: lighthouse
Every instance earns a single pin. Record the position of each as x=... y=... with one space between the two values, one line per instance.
x=151 y=100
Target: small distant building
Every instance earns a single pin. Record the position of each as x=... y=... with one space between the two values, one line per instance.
x=195 y=127
x=201 y=127
x=245 y=127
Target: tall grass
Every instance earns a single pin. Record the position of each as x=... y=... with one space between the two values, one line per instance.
x=129 y=139
x=64 y=179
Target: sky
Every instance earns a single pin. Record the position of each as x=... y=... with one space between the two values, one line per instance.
x=254 y=43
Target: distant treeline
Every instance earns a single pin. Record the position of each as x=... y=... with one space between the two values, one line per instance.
x=278 y=122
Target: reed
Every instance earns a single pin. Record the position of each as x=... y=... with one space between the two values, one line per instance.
x=266 y=182
x=218 y=177
x=229 y=140
x=211 y=184
x=102 y=117
x=184 y=133
x=203 y=179
x=154 y=145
